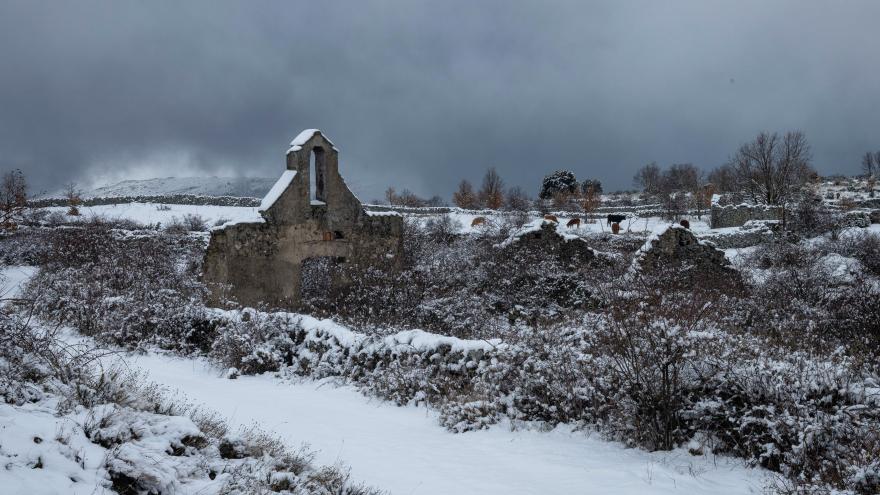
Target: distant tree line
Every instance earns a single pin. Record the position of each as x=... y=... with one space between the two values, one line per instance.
x=409 y=198
x=492 y=194
x=771 y=169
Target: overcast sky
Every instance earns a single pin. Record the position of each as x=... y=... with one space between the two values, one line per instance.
x=420 y=95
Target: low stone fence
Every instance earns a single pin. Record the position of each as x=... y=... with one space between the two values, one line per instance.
x=738 y=215
x=752 y=233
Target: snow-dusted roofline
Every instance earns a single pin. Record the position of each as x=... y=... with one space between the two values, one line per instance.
x=280 y=185
x=303 y=137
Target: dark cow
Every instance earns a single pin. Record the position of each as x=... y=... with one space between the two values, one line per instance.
x=615 y=219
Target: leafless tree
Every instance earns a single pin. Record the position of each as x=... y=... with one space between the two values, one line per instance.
x=13 y=199
x=590 y=200
x=391 y=196
x=702 y=198
x=465 y=196
x=517 y=199
x=871 y=163
x=409 y=198
x=681 y=177
x=723 y=179
x=772 y=169
x=74 y=198
x=649 y=178
x=492 y=192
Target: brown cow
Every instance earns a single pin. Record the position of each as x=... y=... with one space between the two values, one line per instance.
x=478 y=221
x=574 y=222
x=615 y=228
x=552 y=218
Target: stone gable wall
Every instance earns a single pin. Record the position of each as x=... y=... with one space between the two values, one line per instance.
x=261 y=263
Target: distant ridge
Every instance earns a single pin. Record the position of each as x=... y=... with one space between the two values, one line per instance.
x=243 y=187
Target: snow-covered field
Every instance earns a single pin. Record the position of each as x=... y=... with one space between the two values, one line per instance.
x=152 y=213
x=404 y=450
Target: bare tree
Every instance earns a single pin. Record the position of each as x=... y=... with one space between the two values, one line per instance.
x=772 y=169
x=13 y=199
x=648 y=178
x=681 y=177
x=871 y=163
x=492 y=192
x=391 y=196
x=702 y=198
x=723 y=179
x=74 y=198
x=517 y=199
x=562 y=200
x=409 y=198
x=465 y=196
x=591 y=198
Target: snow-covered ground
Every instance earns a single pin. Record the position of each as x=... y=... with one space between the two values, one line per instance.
x=405 y=451
x=152 y=213
x=12 y=278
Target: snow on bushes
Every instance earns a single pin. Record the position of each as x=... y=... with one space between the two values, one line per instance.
x=70 y=425
x=656 y=386
x=781 y=370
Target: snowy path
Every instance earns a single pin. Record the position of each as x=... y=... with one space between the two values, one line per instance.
x=404 y=451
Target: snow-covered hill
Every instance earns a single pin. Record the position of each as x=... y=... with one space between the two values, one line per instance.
x=254 y=187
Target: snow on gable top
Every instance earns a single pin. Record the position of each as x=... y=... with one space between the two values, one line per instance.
x=304 y=137
x=280 y=185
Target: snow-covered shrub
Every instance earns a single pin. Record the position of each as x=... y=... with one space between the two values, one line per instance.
x=807 y=298
x=129 y=290
x=99 y=428
x=254 y=342
x=863 y=246
x=467 y=287
x=190 y=222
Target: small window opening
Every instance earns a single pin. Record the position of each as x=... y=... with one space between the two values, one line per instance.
x=316 y=174
x=338 y=235
x=313 y=176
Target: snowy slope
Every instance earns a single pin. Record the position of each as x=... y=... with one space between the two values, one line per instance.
x=405 y=451
x=254 y=187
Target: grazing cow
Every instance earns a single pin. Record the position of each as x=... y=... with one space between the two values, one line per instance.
x=478 y=221
x=615 y=228
x=612 y=218
x=552 y=218
x=684 y=223
x=574 y=222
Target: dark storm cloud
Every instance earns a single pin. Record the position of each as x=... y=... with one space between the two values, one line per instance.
x=420 y=95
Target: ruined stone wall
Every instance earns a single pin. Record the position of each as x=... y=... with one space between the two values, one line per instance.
x=752 y=233
x=254 y=263
x=738 y=215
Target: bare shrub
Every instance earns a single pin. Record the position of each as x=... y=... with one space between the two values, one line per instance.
x=13 y=199
x=195 y=222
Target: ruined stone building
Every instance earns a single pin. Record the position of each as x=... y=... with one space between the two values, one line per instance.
x=309 y=218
